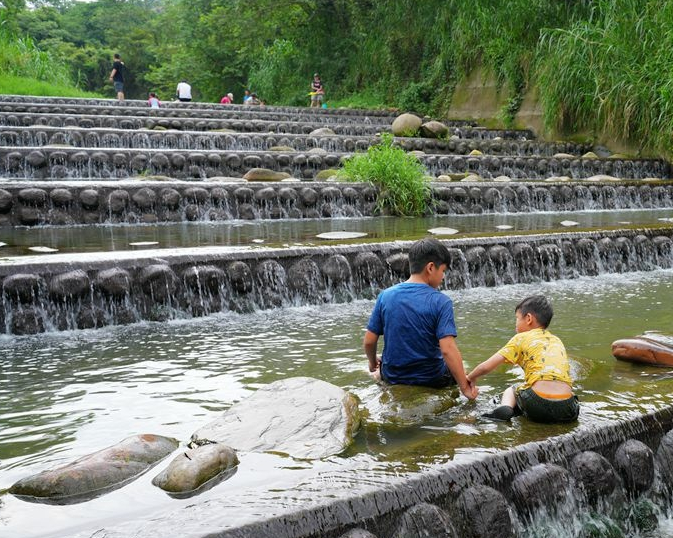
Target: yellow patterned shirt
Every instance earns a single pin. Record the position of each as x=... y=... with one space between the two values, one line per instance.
x=541 y=355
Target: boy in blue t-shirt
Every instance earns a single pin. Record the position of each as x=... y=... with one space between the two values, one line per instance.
x=418 y=326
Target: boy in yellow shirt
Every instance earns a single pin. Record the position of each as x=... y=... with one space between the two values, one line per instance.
x=546 y=394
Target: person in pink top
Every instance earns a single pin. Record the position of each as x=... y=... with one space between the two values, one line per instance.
x=227 y=99
x=153 y=101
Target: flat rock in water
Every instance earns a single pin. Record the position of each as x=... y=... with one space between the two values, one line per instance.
x=97 y=473
x=264 y=174
x=143 y=243
x=649 y=348
x=341 y=235
x=568 y=223
x=504 y=227
x=443 y=231
x=3 y=244
x=194 y=470
x=408 y=405
x=300 y=416
x=43 y=250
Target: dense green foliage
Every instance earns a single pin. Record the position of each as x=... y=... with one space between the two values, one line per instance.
x=404 y=189
x=600 y=66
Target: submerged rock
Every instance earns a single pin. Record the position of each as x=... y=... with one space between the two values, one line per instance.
x=649 y=348
x=299 y=416
x=195 y=469
x=97 y=473
x=408 y=405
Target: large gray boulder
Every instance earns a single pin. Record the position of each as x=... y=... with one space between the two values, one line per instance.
x=97 y=473
x=300 y=416
x=406 y=125
x=193 y=470
x=263 y=174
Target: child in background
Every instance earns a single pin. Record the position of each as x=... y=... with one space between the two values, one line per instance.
x=153 y=101
x=227 y=99
x=546 y=394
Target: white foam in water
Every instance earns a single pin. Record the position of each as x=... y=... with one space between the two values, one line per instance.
x=569 y=223
x=504 y=227
x=341 y=235
x=666 y=219
x=443 y=231
x=258 y=240
x=44 y=250
x=144 y=243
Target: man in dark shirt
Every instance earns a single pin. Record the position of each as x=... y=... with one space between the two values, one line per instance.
x=117 y=76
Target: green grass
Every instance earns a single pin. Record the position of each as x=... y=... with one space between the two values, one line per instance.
x=29 y=86
x=404 y=189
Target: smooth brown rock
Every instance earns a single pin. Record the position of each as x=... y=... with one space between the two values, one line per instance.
x=650 y=348
x=193 y=469
x=97 y=473
x=262 y=174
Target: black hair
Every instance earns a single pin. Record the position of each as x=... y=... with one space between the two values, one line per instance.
x=425 y=251
x=116 y=56
x=539 y=306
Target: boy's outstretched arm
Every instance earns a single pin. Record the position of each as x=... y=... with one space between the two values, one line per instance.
x=487 y=366
x=454 y=362
x=370 y=343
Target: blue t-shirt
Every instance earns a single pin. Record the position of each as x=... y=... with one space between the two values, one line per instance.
x=413 y=318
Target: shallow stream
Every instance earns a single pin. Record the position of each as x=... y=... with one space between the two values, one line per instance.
x=65 y=395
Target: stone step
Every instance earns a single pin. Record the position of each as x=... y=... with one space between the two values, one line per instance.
x=122 y=138
x=63 y=292
x=140 y=103
x=104 y=163
x=170 y=112
x=130 y=201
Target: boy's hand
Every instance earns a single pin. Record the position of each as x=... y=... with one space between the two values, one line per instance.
x=375 y=366
x=471 y=391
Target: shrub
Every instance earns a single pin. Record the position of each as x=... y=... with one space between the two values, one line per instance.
x=403 y=187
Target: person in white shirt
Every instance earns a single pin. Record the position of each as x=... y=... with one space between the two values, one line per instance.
x=184 y=91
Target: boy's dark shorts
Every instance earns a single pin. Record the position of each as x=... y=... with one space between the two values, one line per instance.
x=547 y=411
x=442 y=382
x=119 y=86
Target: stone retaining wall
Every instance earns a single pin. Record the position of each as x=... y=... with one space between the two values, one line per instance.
x=615 y=469
x=63 y=292
x=120 y=138
x=103 y=163
x=60 y=203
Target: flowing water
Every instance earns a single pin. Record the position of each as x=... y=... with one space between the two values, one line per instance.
x=303 y=232
x=64 y=395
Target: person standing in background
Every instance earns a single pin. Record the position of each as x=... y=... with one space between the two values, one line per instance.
x=117 y=76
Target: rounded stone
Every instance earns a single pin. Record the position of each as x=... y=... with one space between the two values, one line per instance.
x=288 y=194
x=23 y=287
x=118 y=201
x=202 y=278
x=70 y=285
x=424 y=521
x=6 y=201
x=89 y=198
x=337 y=270
x=358 y=533
x=634 y=462
x=240 y=276
x=244 y=194
x=664 y=459
x=270 y=275
x=267 y=194
x=399 y=264
x=304 y=278
x=33 y=197
x=484 y=513
x=369 y=268
x=197 y=195
x=27 y=321
x=36 y=159
x=170 y=198
x=144 y=198
x=309 y=197
x=91 y=317
x=158 y=281
x=595 y=474
x=29 y=216
x=477 y=258
x=61 y=197
x=541 y=486
x=159 y=161
x=114 y=282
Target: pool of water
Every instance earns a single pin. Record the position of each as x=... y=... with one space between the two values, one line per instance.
x=303 y=232
x=65 y=395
